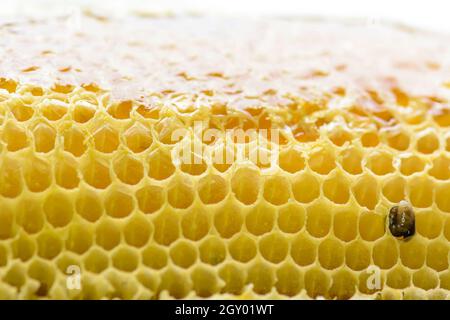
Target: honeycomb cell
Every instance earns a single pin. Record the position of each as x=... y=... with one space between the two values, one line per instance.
x=427 y=143
x=53 y=109
x=291 y=218
x=49 y=244
x=106 y=139
x=318 y=220
x=234 y=278
x=150 y=198
x=107 y=234
x=228 y=220
x=30 y=215
x=212 y=189
x=441 y=168
x=96 y=172
x=350 y=160
x=183 y=254
x=242 y=248
x=7 y=224
x=317 y=283
x=331 y=253
x=276 y=190
x=437 y=255
x=125 y=259
x=83 y=111
x=128 y=169
x=11 y=183
x=37 y=174
x=429 y=224
x=21 y=110
x=398 y=140
x=80 y=238
x=44 y=138
x=385 y=253
x=345 y=224
x=195 y=224
x=180 y=193
x=322 y=161
x=343 y=285
x=154 y=257
x=357 y=255
x=138 y=138
x=260 y=219
x=398 y=278
x=23 y=247
x=160 y=165
x=371 y=226
x=370 y=139
x=421 y=191
x=74 y=141
x=303 y=250
x=212 y=250
x=425 y=279
x=442 y=198
x=89 y=205
x=245 y=185
x=137 y=231
x=96 y=261
x=15 y=276
x=365 y=191
x=120 y=110
x=204 y=282
x=118 y=202
x=273 y=247
x=412 y=253
x=336 y=189
x=291 y=161
x=380 y=163
x=262 y=277
x=411 y=164
x=305 y=188
x=44 y=273
x=66 y=171
x=289 y=280
x=394 y=189
x=58 y=209
x=166 y=227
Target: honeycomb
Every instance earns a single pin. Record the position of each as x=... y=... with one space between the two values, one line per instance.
x=96 y=202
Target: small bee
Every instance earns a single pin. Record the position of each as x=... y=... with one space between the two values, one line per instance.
x=402 y=222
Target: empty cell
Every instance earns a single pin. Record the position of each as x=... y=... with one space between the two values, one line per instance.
x=148 y=112
x=192 y=163
x=49 y=244
x=322 y=161
x=305 y=188
x=120 y=110
x=96 y=261
x=204 y=282
x=107 y=234
x=444 y=279
x=303 y=250
x=411 y=164
x=180 y=193
x=83 y=111
x=58 y=208
x=331 y=253
x=30 y=215
x=291 y=161
x=23 y=247
x=441 y=168
x=357 y=255
x=10 y=177
x=336 y=188
x=317 y=283
x=88 y=205
x=260 y=219
x=345 y=224
x=21 y=110
x=183 y=254
x=3 y=256
x=170 y=130
x=385 y=253
x=223 y=158
x=96 y=172
x=80 y=238
x=273 y=247
x=426 y=279
x=366 y=191
x=44 y=273
x=368 y=282
x=343 y=285
x=394 y=189
x=150 y=198
x=125 y=259
x=371 y=226
x=350 y=160
x=137 y=231
x=398 y=278
x=262 y=277
x=66 y=171
x=413 y=253
x=44 y=137
x=245 y=185
x=7 y=223
x=234 y=277
x=118 y=202
x=53 y=109
x=291 y=218
x=289 y=280
x=15 y=276
x=37 y=174
x=106 y=139
x=277 y=190
x=428 y=142
x=420 y=190
x=442 y=117
x=442 y=197
x=128 y=169
x=160 y=165
x=447 y=228
x=437 y=255
x=242 y=248
x=74 y=141
x=370 y=139
x=154 y=257
x=380 y=163
x=318 y=220
x=398 y=140
x=166 y=227
x=429 y=224
x=212 y=189
x=340 y=136
x=212 y=250
x=195 y=224
x=228 y=220
x=138 y=138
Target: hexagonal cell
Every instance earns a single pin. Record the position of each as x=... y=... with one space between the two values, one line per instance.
x=437 y=255
x=370 y=139
x=154 y=256
x=21 y=110
x=125 y=259
x=317 y=283
x=83 y=111
x=3 y=255
x=192 y=163
x=428 y=142
x=106 y=139
x=37 y=174
x=88 y=205
x=429 y=224
x=166 y=227
x=44 y=273
x=23 y=247
x=442 y=198
x=331 y=253
x=234 y=278
x=212 y=189
x=128 y=169
x=274 y=247
x=398 y=278
x=343 y=285
x=357 y=255
x=74 y=141
x=318 y=220
x=183 y=253
x=245 y=185
x=96 y=261
x=137 y=231
x=398 y=140
x=262 y=277
x=222 y=158
x=385 y=253
x=228 y=220
x=426 y=279
x=366 y=191
x=212 y=250
x=107 y=234
x=371 y=226
x=394 y=189
x=66 y=171
x=10 y=177
x=412 y=253
x=291 y=218
x=160 y=165
x=195 y=224
x=345 y=224
x=7 y=223
x=80 y=237
x=289 y=280
x=204 y=282
x=44 y=137
x=58 y=208
x=411 y=164
x=421 y=190
x=49 y=244
x=242 y=248
x=15 y=276
x=444 y=279
x=380 y=163
x=305 y=187
x=303 y=249
x=277 y=190
x=350 y=160
x=14 y=136
x=180 y=193
x=120 y=110
x=291 y=160
x=260 y=219
x=322 y=161
x=30 y=215
x=339 y=136
x=96 y=173
x=336 y=188
x=150 y=198
x=441 y=168
x=119 y=202
x=138 y=138
x=53 y=109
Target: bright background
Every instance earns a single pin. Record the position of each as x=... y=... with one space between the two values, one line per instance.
x=430 y=14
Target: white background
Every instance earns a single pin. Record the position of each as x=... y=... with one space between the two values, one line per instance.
x=430 y=14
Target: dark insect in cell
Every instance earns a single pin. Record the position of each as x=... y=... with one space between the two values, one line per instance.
x=402 y=222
